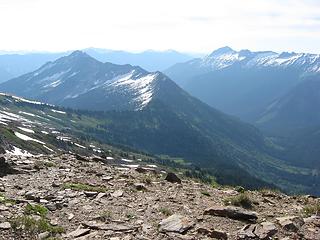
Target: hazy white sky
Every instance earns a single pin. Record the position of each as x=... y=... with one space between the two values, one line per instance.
x=183 y=25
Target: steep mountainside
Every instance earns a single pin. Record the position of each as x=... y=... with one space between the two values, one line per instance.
x=14 y=65
x=80 y=81
x=233 y=152
x=159 y=117
x=243 y=83
x=295 y=110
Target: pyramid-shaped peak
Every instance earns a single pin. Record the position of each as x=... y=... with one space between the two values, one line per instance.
x=222 y=50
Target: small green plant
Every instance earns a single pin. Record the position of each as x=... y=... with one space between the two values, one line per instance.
x=165 y=211
x=147 y=180
x=84 y=187
x=269 y=192
x=49 y=164
x=205 y=193
x=241 y=200
x=5 y=200
x=311 y=209
x=106 y=215
x=35 y=209
x=28 y=225
x=240 y=189
x=130 y=215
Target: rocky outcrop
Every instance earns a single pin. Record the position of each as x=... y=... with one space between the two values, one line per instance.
x=232 y=212
x=175 y=223
x=93 y=199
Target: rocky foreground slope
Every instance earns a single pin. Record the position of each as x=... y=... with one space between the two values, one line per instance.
x=74 y=197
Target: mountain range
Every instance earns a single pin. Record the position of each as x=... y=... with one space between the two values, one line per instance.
x=149 y=112
x=15 y=64
x=258 y=87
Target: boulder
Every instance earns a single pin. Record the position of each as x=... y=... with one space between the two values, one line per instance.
x=264 y=231
x=173 y=178
x=5 y=226
x=291 y=223
x=175 y=223
x=117 y=193
x=232 y=212
x=79 y=232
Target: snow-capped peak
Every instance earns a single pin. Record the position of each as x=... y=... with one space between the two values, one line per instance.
x=225 y=57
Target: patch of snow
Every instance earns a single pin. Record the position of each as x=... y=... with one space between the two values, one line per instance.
x=4 y=123
x=78 y=145
x=126 y=160
x=130 y=165
x=28 y=114
x=19 y=152
x=48 y=148
x=141 y=87
x=56 y=111
x=65 y=139
x=152 y=166
x=53 y=84
x=27 y=138
x=26 y=130
x=19 y=99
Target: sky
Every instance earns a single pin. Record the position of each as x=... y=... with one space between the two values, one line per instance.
x=193 y=26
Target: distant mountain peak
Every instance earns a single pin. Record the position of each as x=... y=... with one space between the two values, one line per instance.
x=79 y=53
x=221 y=51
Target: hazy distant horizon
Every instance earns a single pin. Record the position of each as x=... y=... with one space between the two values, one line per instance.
x=186 y=26
x=191 y=54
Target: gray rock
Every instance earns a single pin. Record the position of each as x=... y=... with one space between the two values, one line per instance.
x=291 y=223
x=51 y=207
x=90 y=194
x=175 y=223
x=232 y=212
x=212 y=233
x=113 y=227
x=43 y=235
x=173 y=178
x=5 y=225
x=79 y=232
x=117 y=193
x=264 y=231
x=32 y=196
x=107 y=178
x=3 y=208
x=140 y=186
x=247 y=232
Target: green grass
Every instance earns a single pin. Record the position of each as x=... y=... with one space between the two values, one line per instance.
x=241 y=200
x=35 y=209
x=4 y=200
x=27 y=224
x=240 y=189
x=147 y=180
x=165 y=211
x=311 y=209
x=84 y=187
x=106 y=215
